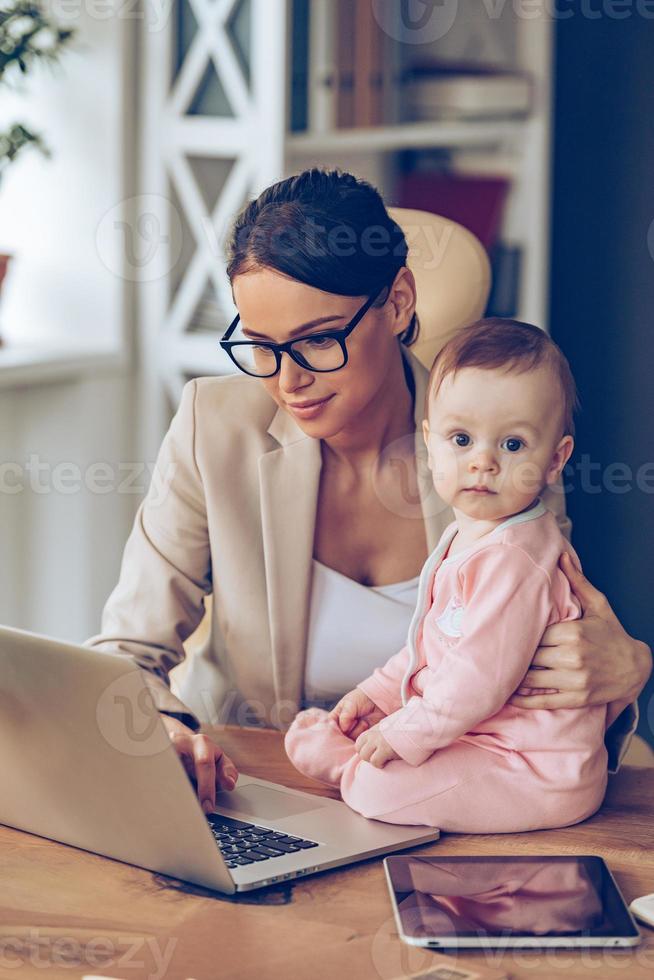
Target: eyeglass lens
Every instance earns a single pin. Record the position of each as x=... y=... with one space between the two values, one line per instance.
x=321 y=354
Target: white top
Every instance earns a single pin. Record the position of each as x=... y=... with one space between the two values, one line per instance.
x=353 y=628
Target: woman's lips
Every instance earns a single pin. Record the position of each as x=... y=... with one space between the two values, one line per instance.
x=478 y=490
x=309 y=410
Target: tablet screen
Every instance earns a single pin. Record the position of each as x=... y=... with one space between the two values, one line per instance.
x=483 y=897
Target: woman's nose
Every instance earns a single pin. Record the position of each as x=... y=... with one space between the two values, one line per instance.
x=291 y=375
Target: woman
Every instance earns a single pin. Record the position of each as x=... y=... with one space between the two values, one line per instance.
x=294 y=494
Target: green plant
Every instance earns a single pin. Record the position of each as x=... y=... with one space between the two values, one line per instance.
x=27 y=36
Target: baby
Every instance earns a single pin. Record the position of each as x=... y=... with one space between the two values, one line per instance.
x=429 y=737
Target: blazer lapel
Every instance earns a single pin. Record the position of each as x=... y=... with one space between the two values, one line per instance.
x=289 y=479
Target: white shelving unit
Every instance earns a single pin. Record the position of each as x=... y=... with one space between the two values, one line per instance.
x=215 y=109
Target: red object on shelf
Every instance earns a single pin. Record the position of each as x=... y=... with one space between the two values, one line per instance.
x=475 y=202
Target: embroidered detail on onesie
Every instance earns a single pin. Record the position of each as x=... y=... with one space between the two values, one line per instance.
x=450 y=620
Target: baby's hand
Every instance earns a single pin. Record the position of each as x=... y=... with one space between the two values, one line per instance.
x=356 y=713
x=373 y=748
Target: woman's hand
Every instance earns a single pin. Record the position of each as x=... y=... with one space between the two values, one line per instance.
x=587 y=661
x=373 y=748
x=356 y=713
x=205 y=762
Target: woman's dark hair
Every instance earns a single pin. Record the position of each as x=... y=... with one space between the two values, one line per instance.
x=325 y=228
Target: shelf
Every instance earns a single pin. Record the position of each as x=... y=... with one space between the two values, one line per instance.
x=29 y=365
x=198 y=353
x=409 y=135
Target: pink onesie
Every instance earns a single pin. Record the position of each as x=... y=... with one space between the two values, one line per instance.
x=470 y=762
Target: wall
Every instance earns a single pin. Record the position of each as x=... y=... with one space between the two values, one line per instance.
x=61 y=540
x=603 y=300
x=63 y=523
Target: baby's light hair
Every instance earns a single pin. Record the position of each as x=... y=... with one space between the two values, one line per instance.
x=498 y=342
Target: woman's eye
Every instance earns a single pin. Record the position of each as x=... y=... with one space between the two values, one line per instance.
x=512 y=445
x=320 y=341
x=461 y=439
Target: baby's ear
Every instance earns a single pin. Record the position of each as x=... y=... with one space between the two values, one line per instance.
x=561 y=455
x=425 y=436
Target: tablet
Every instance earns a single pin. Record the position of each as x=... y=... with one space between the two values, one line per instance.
x=505 y=901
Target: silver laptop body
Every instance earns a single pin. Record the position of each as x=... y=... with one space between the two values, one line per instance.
x=86 y=761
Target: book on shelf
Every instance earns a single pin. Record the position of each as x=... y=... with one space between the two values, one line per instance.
x=369 y=61
x=299 y=105
x=476 y=202
x=433 y=90
x=347 y=50
x=506 y=266
x=344 y=67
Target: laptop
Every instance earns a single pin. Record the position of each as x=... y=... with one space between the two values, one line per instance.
x=86 y=761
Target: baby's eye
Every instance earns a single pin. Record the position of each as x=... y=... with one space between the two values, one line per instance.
x=512 y=445
x=461 y=439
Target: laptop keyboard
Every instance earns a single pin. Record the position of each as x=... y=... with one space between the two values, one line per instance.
x=244 y=843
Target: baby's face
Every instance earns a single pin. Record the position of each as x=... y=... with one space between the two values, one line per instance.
x=498 y=430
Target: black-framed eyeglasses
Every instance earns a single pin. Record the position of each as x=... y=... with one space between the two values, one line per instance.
x=320 y=352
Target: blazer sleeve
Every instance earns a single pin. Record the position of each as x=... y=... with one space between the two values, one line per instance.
x=166 y=567
x=475 y=677
x=384 y=686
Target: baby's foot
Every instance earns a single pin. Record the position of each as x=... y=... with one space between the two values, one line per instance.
x=317 y=747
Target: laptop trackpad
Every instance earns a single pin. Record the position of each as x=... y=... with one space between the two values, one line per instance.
x=261 y=802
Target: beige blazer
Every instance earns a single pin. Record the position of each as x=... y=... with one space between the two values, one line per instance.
x=231 y=511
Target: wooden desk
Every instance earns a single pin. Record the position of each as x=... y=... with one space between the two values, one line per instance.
x=83 y=914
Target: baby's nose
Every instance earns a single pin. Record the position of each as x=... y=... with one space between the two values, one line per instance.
x=483 y=462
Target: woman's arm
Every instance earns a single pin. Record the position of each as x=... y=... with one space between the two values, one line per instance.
x=591 y=660
x=159 y=600
x=166 y=567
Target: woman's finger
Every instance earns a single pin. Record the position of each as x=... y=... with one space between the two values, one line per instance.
x=564 y=699
x=562 y=680
x=204 y=752
x=560 y=634
x=556 y=658
x=226 y=771
x=591 y=599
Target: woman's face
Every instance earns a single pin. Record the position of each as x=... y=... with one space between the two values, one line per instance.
x=276 y=308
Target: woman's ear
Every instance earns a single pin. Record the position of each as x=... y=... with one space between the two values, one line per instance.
x=402 y=299
x=560 y=457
